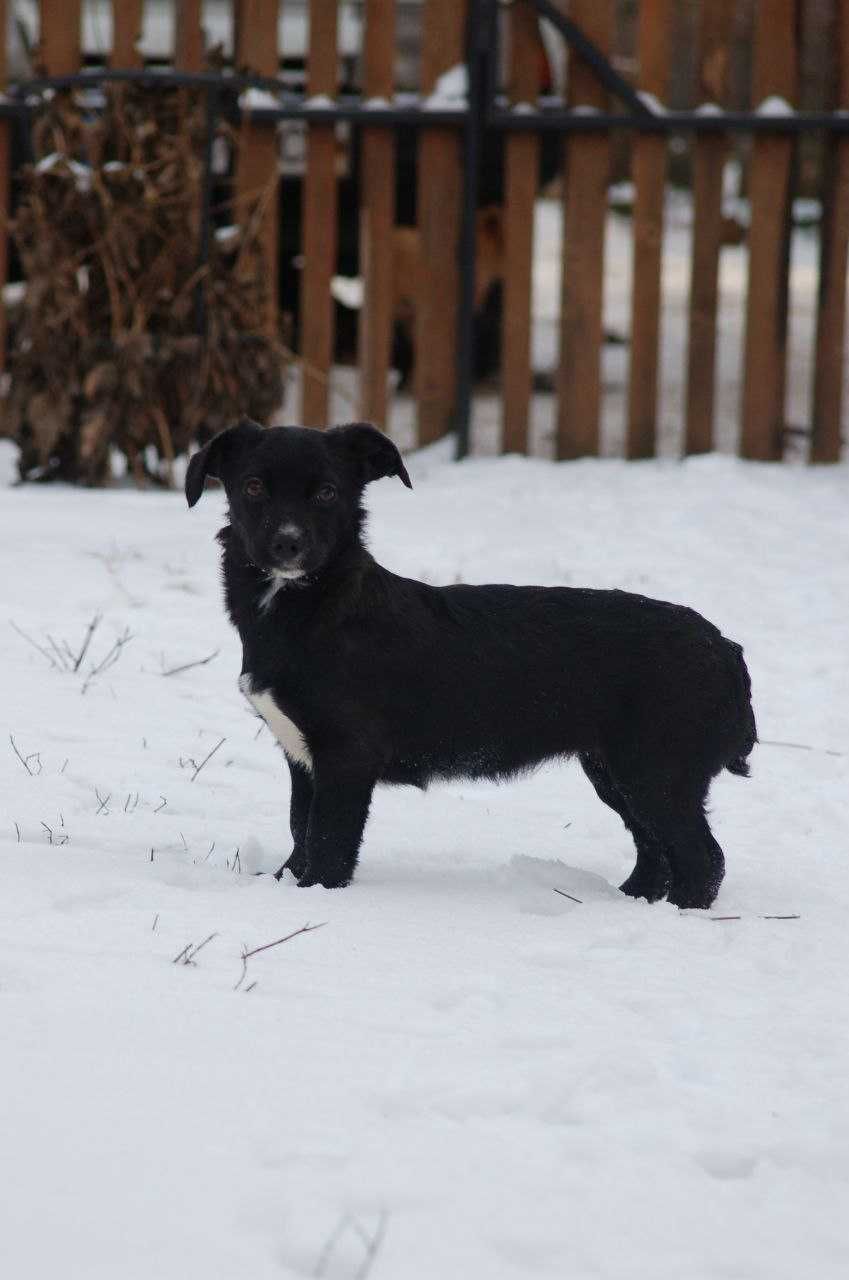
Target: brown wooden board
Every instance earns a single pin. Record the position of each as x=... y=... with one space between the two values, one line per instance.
x=59 y=42
x=377 y=218
x=709 y=156
x=520 y=190
x=126 y=32
x=188 y=35
x=257 y=182
x=586 y=174
x=649 y=173
x=775 y=74
x=439 y=199
x=834 y=243
x=319 y=223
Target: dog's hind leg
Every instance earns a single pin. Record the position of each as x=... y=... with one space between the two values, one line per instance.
x=299 y=816
x=652 y=874
x=675 y=817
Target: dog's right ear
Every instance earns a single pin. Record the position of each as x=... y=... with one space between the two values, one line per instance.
x=216 y=457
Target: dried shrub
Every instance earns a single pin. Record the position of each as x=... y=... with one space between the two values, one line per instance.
x=122 y=341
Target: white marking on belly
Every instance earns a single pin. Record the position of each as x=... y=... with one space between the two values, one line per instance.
x=285 y=730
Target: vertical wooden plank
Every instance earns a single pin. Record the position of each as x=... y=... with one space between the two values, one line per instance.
x=521 y=172
x=775 y=75
x=709 y=156
x=586 y=173
x=649 y=171
x=257 y=185
x=834 y=243
x=188 y=36
x=439 y=192
x=319 y=223
x=377 y=217
x=126 y=33
x=5 y=156
x=59 y=39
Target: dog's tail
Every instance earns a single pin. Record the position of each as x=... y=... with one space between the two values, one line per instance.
x=739 y=763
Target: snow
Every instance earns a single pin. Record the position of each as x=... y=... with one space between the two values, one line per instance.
x=478 y=1075
x=254 y=99
x=775 y=105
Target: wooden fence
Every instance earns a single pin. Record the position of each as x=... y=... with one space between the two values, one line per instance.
x=445 y=198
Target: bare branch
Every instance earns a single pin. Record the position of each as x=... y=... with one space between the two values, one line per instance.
x=206 y=759
x=564 y=894
x=45 y=653
x=800 y=746
x=188 y=954
x=187 y=666
x=90 y=630
x=246 y=955
x=109 y=661
x=160 y=807
x=34 y=755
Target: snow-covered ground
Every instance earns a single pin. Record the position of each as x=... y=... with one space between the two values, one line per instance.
x=462 y=1073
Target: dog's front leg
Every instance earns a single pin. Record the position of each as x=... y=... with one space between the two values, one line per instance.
x=340 y=805
x=299 y=816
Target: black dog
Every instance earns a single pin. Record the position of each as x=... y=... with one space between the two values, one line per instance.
x=365 y=677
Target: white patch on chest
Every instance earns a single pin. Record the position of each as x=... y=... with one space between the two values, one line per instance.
x=285 y=730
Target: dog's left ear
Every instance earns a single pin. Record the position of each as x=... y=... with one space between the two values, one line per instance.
x=376 y=454
x=216 y=456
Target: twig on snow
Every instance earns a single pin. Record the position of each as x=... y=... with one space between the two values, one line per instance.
x=800 y=746
x=246 y=955
x=188 y=954
x=77 y=658
x=564 y=894
x=187 y=666
x=45 y=653
x=102 y=803
x=33 y=755
x=371 y=1243
x=109 y=661
x=207 y=758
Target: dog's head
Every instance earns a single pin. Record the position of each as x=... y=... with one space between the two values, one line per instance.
x=294 y=492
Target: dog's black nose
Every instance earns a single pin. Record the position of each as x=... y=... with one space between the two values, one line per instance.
x=288 y=542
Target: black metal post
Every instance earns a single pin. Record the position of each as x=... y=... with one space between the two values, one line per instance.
x=478 y=47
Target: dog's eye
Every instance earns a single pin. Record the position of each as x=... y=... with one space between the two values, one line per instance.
x=327 y=493
x=253 y=487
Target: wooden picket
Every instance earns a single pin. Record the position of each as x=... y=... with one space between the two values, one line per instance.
x=439 y=195
x=520 y=193
x=775 y=78
x=257 y=196
x=584 y=212
x=59 y=36
x=710 y=152
x=649 y=169
x=831 y=312
x=377 y=216
x=126 y=32
x=319 y=223
x=188 y=35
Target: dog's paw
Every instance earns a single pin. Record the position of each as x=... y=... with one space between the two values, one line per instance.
x=329 y=878
x=296 y=863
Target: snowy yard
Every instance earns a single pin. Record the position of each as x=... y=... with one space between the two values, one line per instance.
x=463 y=1073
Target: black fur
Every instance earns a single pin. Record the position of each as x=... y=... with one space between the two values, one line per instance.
x=393 y=681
